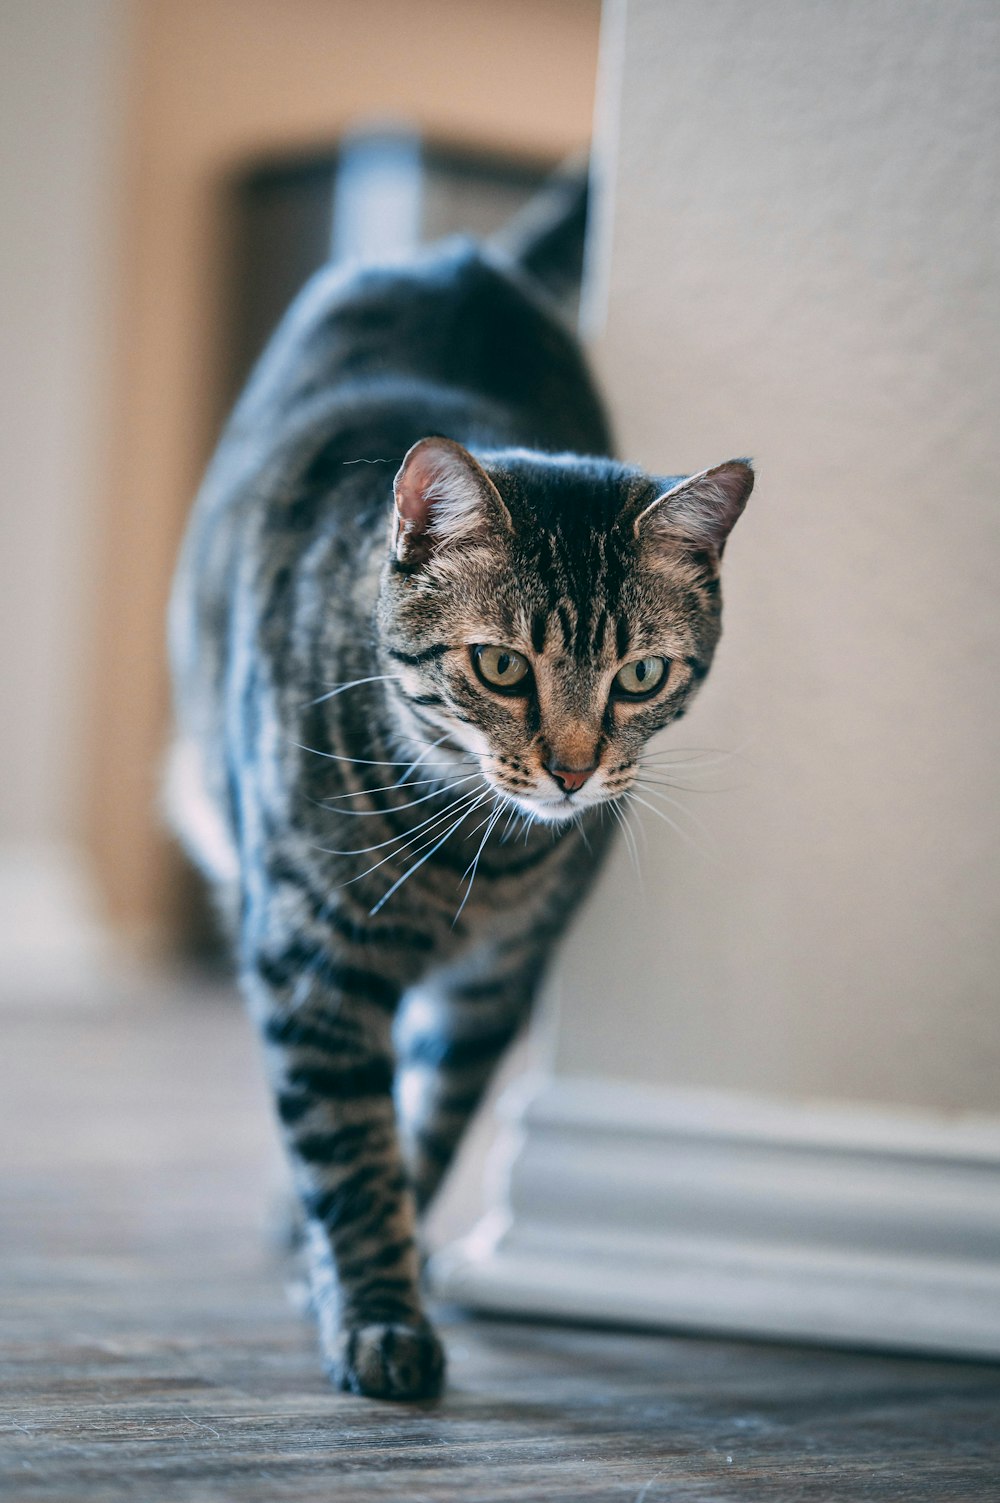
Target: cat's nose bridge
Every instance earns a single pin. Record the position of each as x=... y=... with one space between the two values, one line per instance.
x=571 y=722
x=571 y=751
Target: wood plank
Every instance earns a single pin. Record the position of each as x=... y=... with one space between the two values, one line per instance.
x=147 y=1349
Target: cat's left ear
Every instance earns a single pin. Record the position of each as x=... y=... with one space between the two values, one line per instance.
x=443 y=496
x=702 y=510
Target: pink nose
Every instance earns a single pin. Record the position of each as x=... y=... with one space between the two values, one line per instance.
x=570 y=779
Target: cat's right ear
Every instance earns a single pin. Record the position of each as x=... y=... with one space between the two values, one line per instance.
x=702 y=510
x=443 y=496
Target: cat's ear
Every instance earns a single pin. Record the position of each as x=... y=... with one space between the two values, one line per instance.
x=442 y=496
x=702 y=510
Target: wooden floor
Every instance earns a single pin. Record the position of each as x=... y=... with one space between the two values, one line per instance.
x=148 y=1350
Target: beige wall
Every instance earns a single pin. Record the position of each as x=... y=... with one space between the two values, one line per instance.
x=61 y=65
x=801 y=265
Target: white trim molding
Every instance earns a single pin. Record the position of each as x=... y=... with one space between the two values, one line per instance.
x=714 y=1212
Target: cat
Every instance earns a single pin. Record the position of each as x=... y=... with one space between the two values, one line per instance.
x=422 y=630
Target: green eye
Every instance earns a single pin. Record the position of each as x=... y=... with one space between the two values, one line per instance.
x=501 y=667
x=641 y=677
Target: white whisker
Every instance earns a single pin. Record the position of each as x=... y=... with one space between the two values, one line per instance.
x=660 y=814
x=470 y=870
x=687 y=753
x=628 y=837
x=676 y=804
x=510 y=820
x=658 y=782
x=363 y=761
x=405 y=837
x=397 y=808
x=420 y=759
x=426 y=857
x=381 y=788
x=374 y=678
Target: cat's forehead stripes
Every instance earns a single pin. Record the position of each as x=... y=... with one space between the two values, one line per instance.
x=566 y=616
x=569 y=569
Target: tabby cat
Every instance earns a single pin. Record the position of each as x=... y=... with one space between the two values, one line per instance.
x=422 y=631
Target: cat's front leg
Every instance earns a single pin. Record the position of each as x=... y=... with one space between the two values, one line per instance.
x=453 y=1033
x=326 y=1027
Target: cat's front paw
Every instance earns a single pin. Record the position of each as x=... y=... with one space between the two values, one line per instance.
x=389 y=1362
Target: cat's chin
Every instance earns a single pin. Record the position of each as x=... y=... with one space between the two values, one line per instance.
x=556 y=811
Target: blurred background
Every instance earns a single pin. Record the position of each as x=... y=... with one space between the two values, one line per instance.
x=792 y=253
x=170 y=170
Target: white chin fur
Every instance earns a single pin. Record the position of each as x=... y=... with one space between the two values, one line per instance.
x=550 y=811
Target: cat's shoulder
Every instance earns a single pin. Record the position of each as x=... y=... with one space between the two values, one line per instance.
x=456 y=267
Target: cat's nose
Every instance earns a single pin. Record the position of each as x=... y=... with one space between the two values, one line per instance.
x=570 y=779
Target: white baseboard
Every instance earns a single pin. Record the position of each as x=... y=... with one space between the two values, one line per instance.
x=721 y=1213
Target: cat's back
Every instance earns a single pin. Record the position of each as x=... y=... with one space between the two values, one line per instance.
x=367 y=361
x=453 y=318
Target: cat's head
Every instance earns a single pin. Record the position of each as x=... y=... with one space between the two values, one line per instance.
x=549 y=613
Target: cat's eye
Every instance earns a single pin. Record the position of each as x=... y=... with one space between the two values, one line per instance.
x=502 y=668
x=641 y=678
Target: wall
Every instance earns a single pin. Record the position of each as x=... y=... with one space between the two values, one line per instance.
x=60 y=98
x=62 y=66
x=798 y=260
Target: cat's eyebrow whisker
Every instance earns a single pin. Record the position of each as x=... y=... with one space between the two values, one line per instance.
x=425 y=857
x=373 y=678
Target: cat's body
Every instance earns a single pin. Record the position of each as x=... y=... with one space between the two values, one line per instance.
x=371 y=696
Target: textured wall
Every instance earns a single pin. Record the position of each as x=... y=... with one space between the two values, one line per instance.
x=800 y=262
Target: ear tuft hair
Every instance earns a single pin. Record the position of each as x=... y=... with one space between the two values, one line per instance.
x=442 y=496
x=703 y=509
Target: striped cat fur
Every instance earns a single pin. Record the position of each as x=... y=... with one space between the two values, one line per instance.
x=421 y=633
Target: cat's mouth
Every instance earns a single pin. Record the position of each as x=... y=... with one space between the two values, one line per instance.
x=556 y=809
